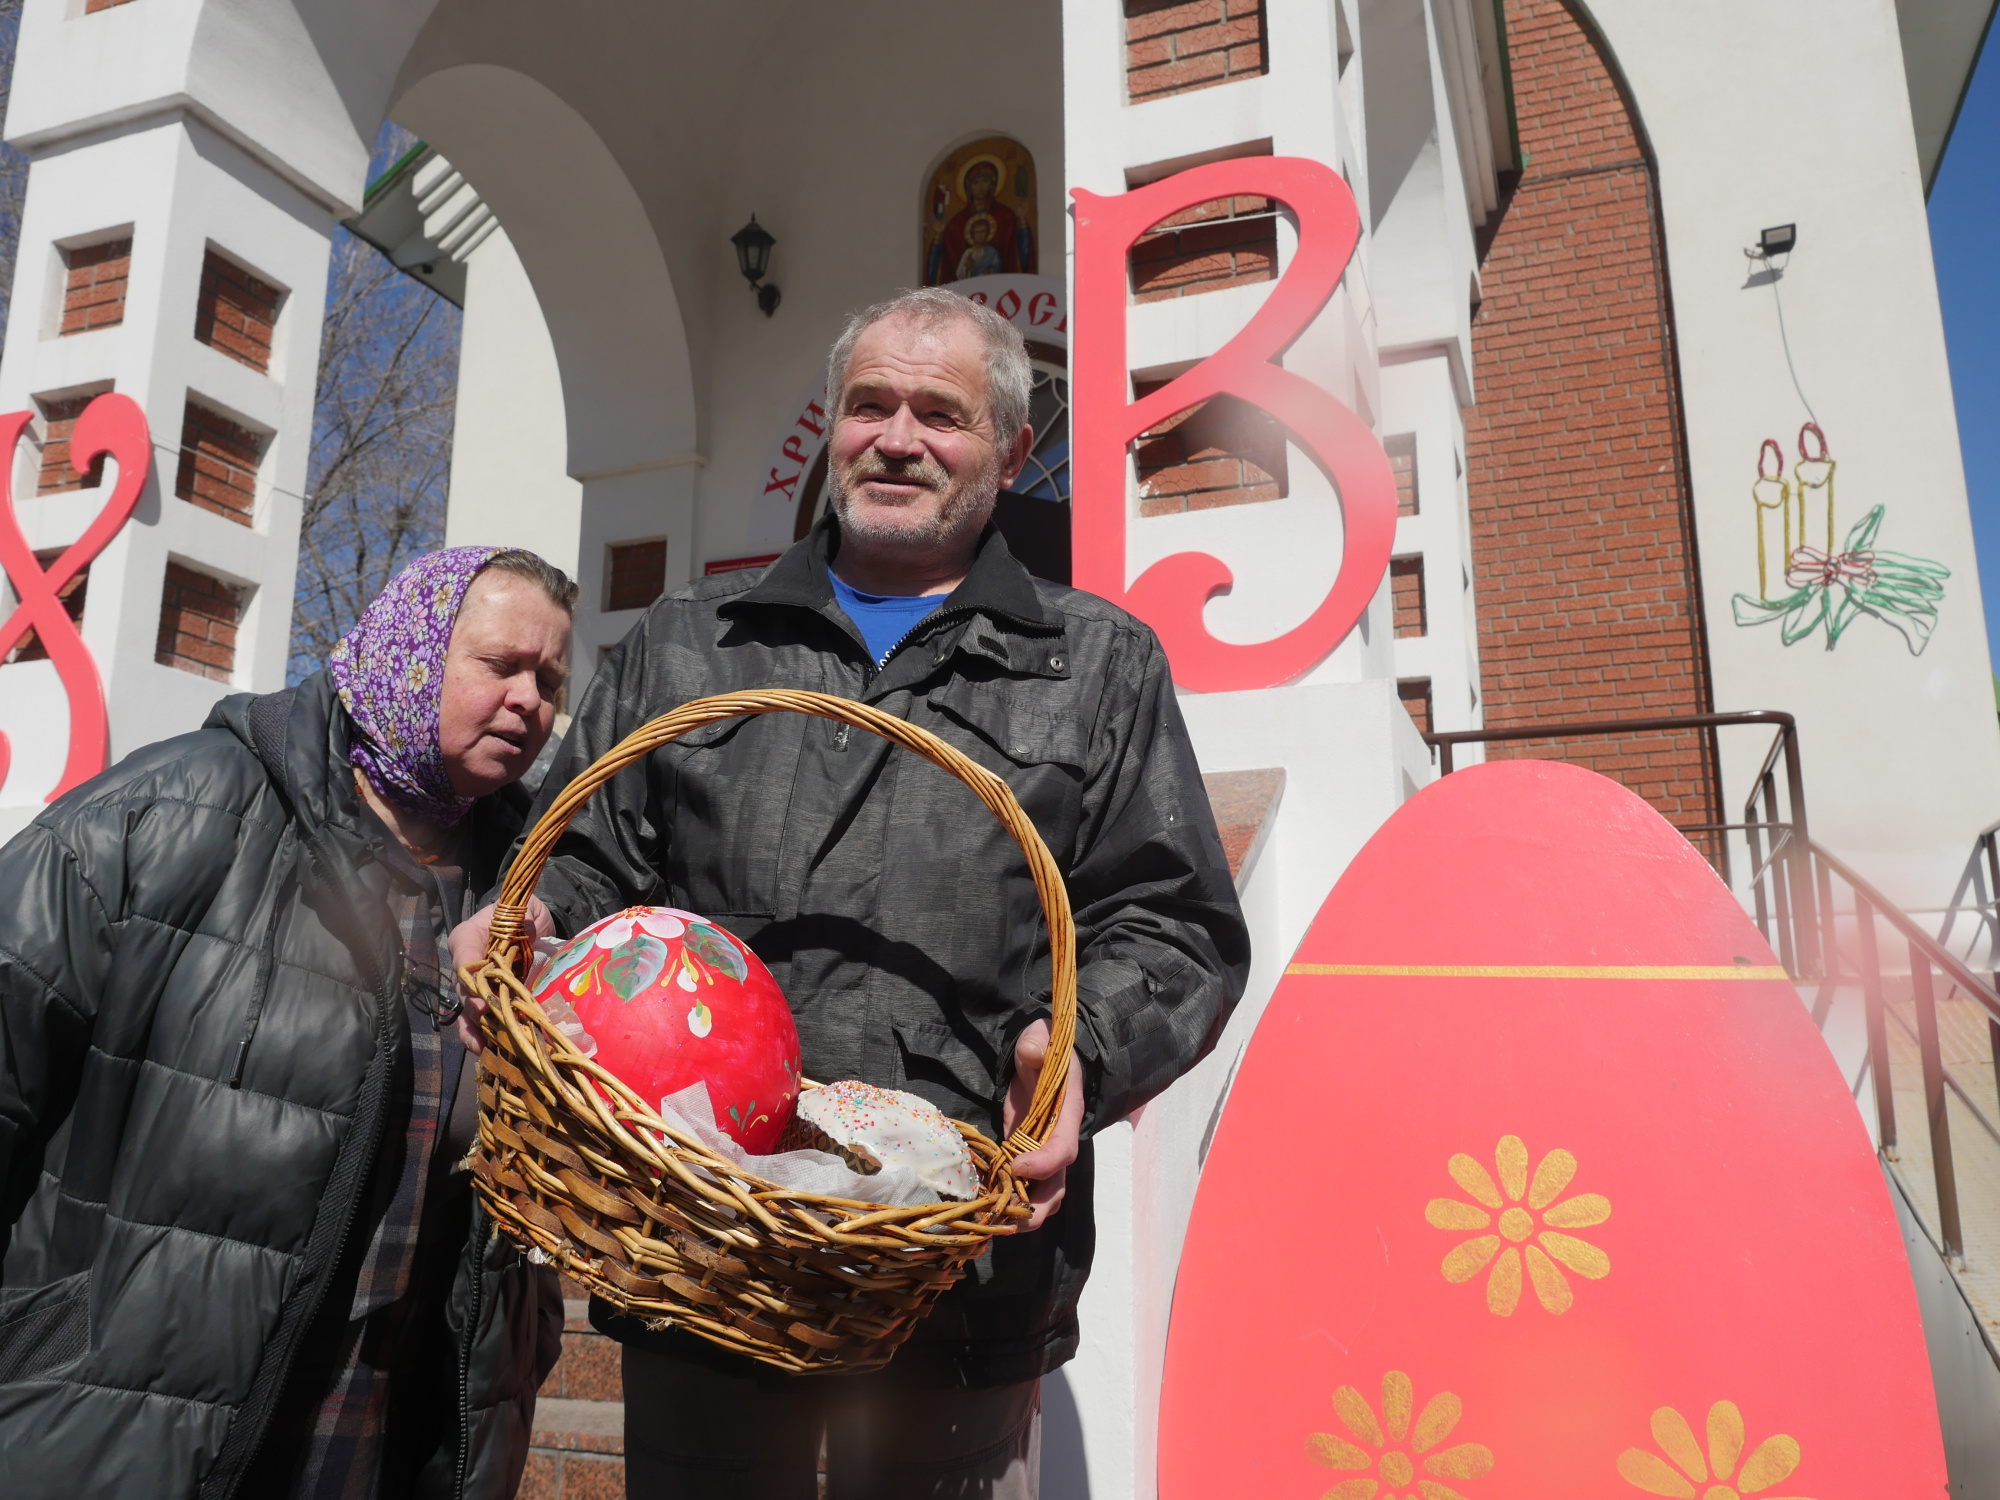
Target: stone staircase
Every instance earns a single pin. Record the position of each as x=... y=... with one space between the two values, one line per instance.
x=578 y=1447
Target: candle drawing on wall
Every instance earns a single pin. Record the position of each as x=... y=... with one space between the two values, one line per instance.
x=1804 y=584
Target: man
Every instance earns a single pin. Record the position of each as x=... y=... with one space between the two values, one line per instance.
x=895 y=912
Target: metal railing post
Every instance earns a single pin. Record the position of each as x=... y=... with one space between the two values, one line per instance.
x=1878 y=1026
x=1990 y=897
x=1925 y=996
x=1798 y=863
x=1754 y=839
x=1781 y=895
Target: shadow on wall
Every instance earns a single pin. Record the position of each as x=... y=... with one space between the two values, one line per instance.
x=1065 y=1476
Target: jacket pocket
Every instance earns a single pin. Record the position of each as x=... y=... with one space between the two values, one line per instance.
x=46 y=1329
x=1031 y=724
x=939 y=1044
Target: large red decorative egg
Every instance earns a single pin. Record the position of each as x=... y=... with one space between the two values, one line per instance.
x=670 y=999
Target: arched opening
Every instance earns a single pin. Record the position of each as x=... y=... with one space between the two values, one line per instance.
x=588 y=247
x=1582 y=533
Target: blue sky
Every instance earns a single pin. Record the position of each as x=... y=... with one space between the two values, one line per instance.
x=1965 y=240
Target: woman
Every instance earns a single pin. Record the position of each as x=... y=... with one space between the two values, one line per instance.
x=243 y=1259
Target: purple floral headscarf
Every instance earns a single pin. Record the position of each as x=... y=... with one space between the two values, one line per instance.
x=389 y=670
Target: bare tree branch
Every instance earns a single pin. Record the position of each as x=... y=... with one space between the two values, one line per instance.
x=13 y=165
x=381 y=448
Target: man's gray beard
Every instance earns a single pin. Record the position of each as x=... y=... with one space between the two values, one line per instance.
x=965 y=509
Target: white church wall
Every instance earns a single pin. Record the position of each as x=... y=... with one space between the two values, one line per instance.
x=510 y=482
x=1902 y=754
x=179 y=189
x=607 y=387
x=252 y=73
x=843 y=196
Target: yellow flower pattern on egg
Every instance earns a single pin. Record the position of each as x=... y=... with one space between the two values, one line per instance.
x=1390 y=1450
x=1509 y=1212
x=1686 y=1466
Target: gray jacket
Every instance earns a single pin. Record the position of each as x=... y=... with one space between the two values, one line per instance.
x=893 y=909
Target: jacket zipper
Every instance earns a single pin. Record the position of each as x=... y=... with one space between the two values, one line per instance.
x=937 y=618
x=267 y=963
x=373 y=1091
x=479 y=1234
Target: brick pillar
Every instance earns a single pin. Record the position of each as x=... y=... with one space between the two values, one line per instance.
x=1583 y=554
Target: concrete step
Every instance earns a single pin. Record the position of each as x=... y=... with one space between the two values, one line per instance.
x=577 y=1451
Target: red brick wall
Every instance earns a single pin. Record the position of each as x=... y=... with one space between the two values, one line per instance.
x=94 y=285
x=1402 y=451
x=236 y=312
x=1416 y=695
x=59 y=419
x=1178 y=46
x=1582 y=553
x=198 y=620
x=1406 y=595
x=638 y=575
x=1227 y=242
x=1222 y=452
x=30 y=647
x=218 y=468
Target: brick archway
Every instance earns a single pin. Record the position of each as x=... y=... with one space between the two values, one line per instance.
x=1588 y=597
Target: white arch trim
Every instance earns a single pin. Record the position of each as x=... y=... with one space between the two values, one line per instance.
x=590 y=251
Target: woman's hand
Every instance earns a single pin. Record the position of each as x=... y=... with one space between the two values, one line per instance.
x=468 y=946
x=1047 y=1168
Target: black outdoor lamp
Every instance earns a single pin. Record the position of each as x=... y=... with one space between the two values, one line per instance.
x=1778 y=241
x=753 y=244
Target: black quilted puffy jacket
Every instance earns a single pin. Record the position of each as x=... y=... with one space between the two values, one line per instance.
x=200 y=1003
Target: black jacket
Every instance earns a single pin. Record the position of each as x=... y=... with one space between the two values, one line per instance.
x=200 y=1002
x=894 y=910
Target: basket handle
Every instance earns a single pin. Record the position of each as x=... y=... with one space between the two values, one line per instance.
x=511 y=909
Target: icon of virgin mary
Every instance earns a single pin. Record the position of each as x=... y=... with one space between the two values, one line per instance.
x=985 y=237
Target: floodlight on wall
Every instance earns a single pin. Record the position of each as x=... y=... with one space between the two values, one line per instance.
x=1778 y=240
x=753 y=244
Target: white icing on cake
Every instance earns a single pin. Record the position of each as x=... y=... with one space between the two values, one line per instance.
x=899 y=1130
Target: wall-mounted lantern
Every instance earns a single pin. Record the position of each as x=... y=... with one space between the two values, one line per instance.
x=1778 y=241
x=753 y=244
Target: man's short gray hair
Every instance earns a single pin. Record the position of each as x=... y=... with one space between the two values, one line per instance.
x=1009 y=376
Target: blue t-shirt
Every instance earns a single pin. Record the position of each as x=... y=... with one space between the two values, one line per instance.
x=883 y=619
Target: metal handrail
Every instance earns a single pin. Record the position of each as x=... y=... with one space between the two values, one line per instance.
x=1926 y=953
x=1793 y=902
x=1960 y=974
x=1982 y=872
x=1798 y=914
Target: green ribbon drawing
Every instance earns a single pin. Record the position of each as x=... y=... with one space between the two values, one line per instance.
x=1902 y=592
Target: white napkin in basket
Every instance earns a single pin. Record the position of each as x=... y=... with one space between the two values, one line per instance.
x=798 y=1171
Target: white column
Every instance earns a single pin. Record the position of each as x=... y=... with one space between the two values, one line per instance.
x=1349 y=751
x=103 y=107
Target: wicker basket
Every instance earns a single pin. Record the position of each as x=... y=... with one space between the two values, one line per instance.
x=664 y=1229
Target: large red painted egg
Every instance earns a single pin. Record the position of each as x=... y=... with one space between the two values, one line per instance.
x=670 y=999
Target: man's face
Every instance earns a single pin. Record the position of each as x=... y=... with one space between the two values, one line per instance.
x=914 y=456
x=508 y=658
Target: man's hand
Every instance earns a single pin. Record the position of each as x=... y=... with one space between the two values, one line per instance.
x=1048 y=1167
x=468 y=946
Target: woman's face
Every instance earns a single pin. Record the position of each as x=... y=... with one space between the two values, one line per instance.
x=508 y=658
